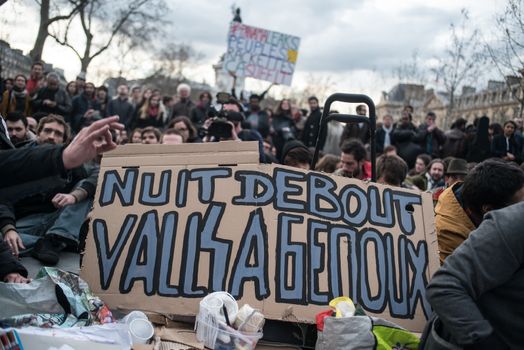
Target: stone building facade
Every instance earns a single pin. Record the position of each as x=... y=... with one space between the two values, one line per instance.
x=499 y=101
x=13 y=62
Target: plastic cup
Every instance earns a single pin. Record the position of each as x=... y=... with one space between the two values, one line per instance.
x=141 y=331
x=212 y=306
x=133 y=315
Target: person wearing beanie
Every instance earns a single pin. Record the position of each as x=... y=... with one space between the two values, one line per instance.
x=296 y=154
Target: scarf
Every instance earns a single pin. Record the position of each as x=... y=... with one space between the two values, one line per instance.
x=153 y=112
x=387 y=138
x=19 y=93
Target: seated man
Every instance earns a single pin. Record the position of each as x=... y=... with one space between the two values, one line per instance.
x=492 y=184
x=297 y=155
x=150 y=136
x=431 y=179
x=391 y=170
x=477 y=293
x=172 y=137
x=46 y=214
x=353 y=160
x=456 y=171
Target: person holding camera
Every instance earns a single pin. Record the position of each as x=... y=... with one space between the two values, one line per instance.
x=86 y=108
x=226 y=124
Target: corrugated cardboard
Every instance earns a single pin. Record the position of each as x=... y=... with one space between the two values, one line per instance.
x=382 y=261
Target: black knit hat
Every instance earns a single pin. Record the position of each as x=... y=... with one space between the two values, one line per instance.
x=290 y=145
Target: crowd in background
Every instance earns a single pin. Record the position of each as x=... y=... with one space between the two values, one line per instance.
x=286 y=134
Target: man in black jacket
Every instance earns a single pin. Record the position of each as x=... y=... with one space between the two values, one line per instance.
x=431 y=138
x=404 y=139
x=312 y=126
x=46 y=212
x=121 y=106
x=52 y=99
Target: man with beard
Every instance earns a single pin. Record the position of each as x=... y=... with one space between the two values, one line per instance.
x=17 y=99
x=312 y=127
x=86 y=108
x=36 y=79
x=256 y=117
x=432 y=178
x=353 y=160
x=44 y=216
x=18 y=130
x=52 y=130
x=52 y=99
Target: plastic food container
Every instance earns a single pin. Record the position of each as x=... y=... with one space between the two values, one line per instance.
x=218 y=335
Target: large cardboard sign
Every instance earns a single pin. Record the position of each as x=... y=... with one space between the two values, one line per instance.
x=174 y=223
x=261 y=54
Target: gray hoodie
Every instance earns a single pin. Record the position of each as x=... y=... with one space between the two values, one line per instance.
x=479 y=291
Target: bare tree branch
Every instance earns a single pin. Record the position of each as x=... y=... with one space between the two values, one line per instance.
x=65 y=43
x=461 y=63
x=507 y=51
x=104 y=20
x=71 y=13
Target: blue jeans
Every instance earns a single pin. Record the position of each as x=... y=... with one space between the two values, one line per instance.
x=65 y=222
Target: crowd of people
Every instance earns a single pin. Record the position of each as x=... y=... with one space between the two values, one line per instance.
x=471 y=170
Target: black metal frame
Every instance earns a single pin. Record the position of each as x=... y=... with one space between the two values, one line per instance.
x=349 y=118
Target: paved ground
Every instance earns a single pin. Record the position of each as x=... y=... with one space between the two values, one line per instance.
x=68 y=262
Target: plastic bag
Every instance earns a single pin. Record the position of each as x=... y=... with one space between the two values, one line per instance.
x=54 y=298
x=364 y=332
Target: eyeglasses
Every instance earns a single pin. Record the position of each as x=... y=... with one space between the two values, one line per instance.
x=182 y=129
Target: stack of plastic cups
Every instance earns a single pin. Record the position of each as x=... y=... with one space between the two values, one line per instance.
x=207 y=320
x=140 y=328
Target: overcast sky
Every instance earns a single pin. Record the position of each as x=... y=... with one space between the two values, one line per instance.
x=357 y=43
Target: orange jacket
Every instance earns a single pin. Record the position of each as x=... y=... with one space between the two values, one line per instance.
x=452 y=223
x=10 y=106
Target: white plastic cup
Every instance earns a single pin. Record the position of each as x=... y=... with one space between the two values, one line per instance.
x=141 y=331
x=133 y=315
x=213 y=306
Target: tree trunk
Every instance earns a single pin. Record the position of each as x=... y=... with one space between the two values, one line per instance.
x=84 y=63
x=86 y=60
x=38 y=48
x=451 y=108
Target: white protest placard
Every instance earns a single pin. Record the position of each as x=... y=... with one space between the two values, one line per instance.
x=261 y=54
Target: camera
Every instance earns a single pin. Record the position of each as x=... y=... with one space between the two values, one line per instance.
x=286 y=134
x=220 y=127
